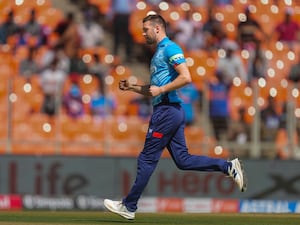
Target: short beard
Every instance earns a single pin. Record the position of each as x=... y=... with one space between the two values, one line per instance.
x=150 y=41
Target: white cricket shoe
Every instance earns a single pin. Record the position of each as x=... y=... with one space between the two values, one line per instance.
x=118 y=208
x=236 y=172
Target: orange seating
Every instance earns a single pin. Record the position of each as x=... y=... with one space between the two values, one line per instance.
x=38 y=147
x=122 y=139
x=202 y=67
x=3 y=130
x=88 y=148
x=3 y=147
x=194 y=139
x=25 y=140
x=21 y=53
x=135 y=24
x=50 y=17
x=219 y=152
x=37 y=4
x=101 y=51
x=34 y=133
x=43 y=126
x=70 y=128
x=239 y=97
x=103 y=5
x=88 y=84
x=3 y=88
x=7 y=69
x=284 y=145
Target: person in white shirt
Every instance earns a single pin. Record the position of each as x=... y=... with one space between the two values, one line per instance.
x=185 y=28
x=231 y=64
x=51 y=82
x=91 y=33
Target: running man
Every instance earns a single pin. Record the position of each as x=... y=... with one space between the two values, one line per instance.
x=169 y=72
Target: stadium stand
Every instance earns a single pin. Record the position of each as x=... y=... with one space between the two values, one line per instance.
x=30 y=132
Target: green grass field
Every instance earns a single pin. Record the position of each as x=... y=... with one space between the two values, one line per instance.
x=91 y=218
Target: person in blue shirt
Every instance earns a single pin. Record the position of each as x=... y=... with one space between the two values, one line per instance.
x=190 y=102
x=102 y=104
x=169 y=72
x=219 y=106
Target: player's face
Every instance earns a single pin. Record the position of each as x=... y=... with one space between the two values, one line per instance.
x=149 y=32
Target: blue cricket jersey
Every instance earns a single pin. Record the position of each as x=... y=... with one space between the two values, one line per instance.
x=167 y=56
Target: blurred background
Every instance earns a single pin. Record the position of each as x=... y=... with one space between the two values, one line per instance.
x=67 y=130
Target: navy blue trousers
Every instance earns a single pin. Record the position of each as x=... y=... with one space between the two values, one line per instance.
x=166 y=130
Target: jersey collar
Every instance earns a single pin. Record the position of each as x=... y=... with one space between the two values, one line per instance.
x=163 y=42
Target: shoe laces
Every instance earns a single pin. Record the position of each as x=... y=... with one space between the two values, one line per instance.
x=232 y=171
x=122 y=206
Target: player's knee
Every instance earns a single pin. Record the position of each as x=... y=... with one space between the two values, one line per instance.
x=182 y=165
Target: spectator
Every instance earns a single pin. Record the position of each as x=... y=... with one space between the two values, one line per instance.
x=69 y=39
x=239 y=132
x=51 y=81
x=99 y=69
x=72 y=102
x=286 y=139
x=213 y=31
x=8 y=28
x=288 y=30
x=222 y=2
x=53 y=52
x=143 y=107
x=34 y=30
x=28 y=66
x=102 y=104
x=196 y=41
x=196 y=3
x=91 y=33
x=294 y=73
x=184 y=28
x=283 y=119
x=218 y=106
x=121 y=11
x=270 y=121
x=21 y=38
x=191 y=99
x=231 y=64
x=77 y=65
x=248 y=31
x=257 y=63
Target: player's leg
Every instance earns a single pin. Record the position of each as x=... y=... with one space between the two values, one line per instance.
x=185 y=161
x=159 y=133
x=146 y=163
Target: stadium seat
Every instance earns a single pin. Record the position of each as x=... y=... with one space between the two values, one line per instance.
x=3 y=130
x=25 y=140
x=50 y=17
x=194 y=139
x=122 y=139
x=283 y=144
x=82 y=148
x=94 y=136
x=103 y=5
x=38 y=148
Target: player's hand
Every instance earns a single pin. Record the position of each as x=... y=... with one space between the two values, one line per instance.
x=124 y=85
x=155 y=90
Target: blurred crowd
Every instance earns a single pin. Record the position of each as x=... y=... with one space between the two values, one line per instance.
x=240 y=60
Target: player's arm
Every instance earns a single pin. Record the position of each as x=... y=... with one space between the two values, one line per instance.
x=124 y=85
x=183 y=78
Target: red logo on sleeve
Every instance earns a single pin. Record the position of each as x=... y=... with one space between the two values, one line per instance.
x=157 y=135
